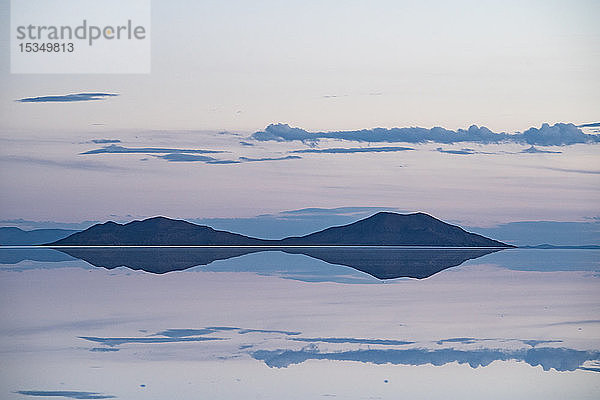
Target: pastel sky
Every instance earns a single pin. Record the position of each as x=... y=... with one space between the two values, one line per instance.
x=210 y=132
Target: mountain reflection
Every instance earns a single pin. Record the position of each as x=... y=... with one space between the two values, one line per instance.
x=15 y=256
x=380 y=262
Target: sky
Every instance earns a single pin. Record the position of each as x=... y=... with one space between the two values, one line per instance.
x=260 y=107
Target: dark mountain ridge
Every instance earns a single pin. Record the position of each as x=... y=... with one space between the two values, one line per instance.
x=157 y=231
x=381 y=229
x=13 y=236
x=392 y=229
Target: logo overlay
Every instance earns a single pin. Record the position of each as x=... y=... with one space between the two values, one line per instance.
x=80 y=36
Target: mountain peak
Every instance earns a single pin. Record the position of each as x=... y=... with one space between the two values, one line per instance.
x=156 y=231
x=393 y=229
x=381 y=229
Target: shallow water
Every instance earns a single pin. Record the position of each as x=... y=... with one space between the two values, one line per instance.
x=288 y=324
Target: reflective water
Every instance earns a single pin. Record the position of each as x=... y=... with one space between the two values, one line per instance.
x=299 y=323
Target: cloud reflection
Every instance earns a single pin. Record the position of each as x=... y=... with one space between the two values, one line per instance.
x=70 y=394
x=559 y=359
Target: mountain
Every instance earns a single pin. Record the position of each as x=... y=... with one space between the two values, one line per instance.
x=381 y=229
x=157 y=231
x=392 y=229
x=11 y=236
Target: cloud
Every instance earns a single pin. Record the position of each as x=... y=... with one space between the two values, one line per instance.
x=293 y=222
x=354 y=150
x=115 y=149
x=194 y=332
x=30 y=225
x=185 y=157
x=339 y=211
x=592 y=125
x=117 y=341
x=223 y=162
x=577 y=171
x=247 y=159
x=559 y=359
x=468 y=151
x=534 y=150
x=537 y=232
x=386 y=342
x=244 y=143
x=67 y=98
x=103 y=349
x=76 y=164
x=556 y=135
x=461 y=152
x=103 y=141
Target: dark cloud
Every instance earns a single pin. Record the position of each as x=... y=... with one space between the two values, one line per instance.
x=535 y=342
x=591 y=369
x=185 y=157
x=248 y=159
x=176 y=333
x=117 y=341
x=464 y=151
x=354 y=150
x=592 y=125
x=223 y=162
x=556 y=135
x=103 y=349
x=534 y=150
x=468 y=151
x=105 y=141
x=339 y=211
x=70 y=394
x=460 y=152
x=115 y=149
x=386 y=342
x=243 y=143
x=67 y=98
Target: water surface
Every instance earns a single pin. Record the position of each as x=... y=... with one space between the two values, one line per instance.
x=299 y=323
